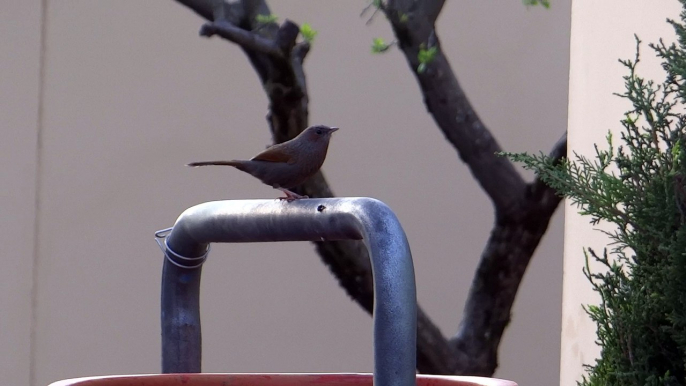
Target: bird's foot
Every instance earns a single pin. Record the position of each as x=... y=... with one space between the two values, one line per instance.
x=290 y=196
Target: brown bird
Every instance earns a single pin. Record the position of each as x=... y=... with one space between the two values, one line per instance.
x=288 y=164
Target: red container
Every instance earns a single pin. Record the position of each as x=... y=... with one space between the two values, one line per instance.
x=266 y=379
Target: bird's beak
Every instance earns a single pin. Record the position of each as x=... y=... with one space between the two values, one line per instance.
x=334 y=129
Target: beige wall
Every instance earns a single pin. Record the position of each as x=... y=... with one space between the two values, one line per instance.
x=19 y=112
x=602 y=32
x=93 y=164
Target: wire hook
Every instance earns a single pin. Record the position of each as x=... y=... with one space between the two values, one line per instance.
x=168 y=252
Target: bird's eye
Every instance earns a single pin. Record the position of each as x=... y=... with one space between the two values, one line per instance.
x=319 y=131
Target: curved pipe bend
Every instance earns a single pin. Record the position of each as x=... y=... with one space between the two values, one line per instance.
x=233 y=221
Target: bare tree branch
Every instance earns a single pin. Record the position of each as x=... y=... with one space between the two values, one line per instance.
x=285 y=85
x=245 y=39
x=522 y=210
x=474 y=349
x=204 y=8
x=446 y=101
x=500 y=271
x=427 y=10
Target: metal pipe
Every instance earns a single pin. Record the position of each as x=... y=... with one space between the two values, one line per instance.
x=395 y=303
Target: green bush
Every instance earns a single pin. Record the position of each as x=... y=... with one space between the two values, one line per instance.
x=640 y=188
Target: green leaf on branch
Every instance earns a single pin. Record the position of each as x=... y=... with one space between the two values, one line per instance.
x=379 y=46
x=308 y=32
x=266 y=19
x=425 y=56
x=544 y=3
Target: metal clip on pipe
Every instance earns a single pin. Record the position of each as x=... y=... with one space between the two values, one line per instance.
x=186 y=246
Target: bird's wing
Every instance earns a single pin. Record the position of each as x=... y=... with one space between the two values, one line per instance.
x=275 y=154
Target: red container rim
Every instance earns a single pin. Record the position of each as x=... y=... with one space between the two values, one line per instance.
x=270 y=379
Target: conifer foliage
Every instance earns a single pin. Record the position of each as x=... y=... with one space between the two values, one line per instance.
x=640 y=188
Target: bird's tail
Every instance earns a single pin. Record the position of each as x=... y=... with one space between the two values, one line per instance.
x=206 y=163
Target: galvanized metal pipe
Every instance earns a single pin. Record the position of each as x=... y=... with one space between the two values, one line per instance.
x=395 y=304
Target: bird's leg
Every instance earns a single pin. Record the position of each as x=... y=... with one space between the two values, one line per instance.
x=290 y=196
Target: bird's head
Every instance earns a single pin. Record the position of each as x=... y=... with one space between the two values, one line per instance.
x=318 y=133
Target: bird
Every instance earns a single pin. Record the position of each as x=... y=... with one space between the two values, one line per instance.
x=288 y=164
